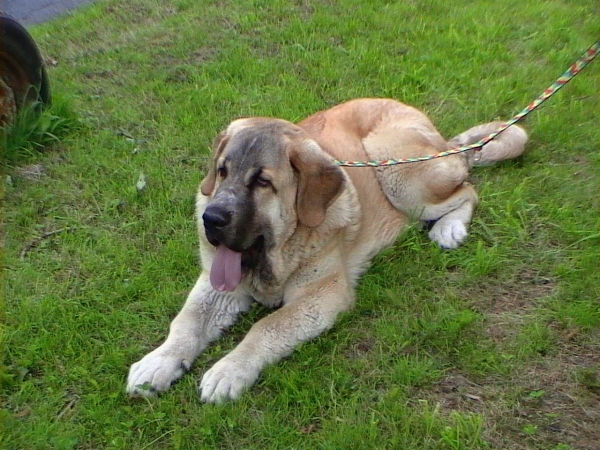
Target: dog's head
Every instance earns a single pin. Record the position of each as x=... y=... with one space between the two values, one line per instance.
x=267 y=178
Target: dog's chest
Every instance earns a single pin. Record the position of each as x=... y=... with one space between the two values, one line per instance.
x=267 y=282
x=264 y=284
x=266 y=293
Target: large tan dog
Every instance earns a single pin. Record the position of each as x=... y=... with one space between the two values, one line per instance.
x=281 y=224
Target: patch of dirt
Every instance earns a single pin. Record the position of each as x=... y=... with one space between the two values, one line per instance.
x=311 y=428
x=106 y=73
x=360 y=349
x=196 y=58
x=507 y=305
x=545 y=401
x=33 y=172
x=550 y=402
x=203 y=54
x=516 y=296
x=138 y=13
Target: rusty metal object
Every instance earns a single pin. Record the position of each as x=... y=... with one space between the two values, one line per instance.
x=23 y=77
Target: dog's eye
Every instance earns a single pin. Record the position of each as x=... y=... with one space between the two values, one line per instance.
x=222 y=172
x=262 y=182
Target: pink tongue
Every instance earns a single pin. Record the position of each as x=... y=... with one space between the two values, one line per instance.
x=226 y=270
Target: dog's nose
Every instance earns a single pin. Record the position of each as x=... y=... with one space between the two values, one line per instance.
x=216 y=217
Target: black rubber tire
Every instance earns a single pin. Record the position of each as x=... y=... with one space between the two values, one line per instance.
x=21 y=64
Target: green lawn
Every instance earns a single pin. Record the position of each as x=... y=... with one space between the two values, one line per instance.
x=494 y=345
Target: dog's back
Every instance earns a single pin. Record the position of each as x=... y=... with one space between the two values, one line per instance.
x=382 y=129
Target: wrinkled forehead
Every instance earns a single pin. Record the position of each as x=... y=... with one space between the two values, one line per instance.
x=260 y=145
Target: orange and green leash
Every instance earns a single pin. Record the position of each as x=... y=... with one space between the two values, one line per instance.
x=575 y=68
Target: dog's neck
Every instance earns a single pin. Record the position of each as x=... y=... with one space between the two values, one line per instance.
x=266 y=281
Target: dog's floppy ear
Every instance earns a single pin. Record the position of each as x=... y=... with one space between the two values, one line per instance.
x=208 y=184
x=320 y=182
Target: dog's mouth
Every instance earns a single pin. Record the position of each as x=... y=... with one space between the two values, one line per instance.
x=230 y=266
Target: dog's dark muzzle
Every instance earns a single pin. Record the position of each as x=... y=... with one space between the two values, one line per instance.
x=215 y=218
x=228 y=221
x=216 y=221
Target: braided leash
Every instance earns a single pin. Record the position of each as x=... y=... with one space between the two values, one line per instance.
x=577 y=66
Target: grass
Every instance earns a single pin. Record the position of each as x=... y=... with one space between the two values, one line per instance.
x=33 y=129
x=494 y=345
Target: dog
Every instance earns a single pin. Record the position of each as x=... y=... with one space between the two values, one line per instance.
x=281 y=224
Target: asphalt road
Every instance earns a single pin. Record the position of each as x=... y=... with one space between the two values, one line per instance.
x=29 y=12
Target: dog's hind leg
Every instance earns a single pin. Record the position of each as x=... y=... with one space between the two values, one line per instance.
x=451 y=216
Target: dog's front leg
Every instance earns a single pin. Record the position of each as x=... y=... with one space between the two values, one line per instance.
x=308 y=311
x=204 y=316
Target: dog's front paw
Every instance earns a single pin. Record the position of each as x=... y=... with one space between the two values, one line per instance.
x=227 y=380
x=448 y=233
x=155 y=373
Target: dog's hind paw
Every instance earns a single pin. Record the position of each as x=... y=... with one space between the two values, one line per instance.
x=448 y=233
x=155 y=373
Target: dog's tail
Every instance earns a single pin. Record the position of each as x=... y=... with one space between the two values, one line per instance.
x=509 y=144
